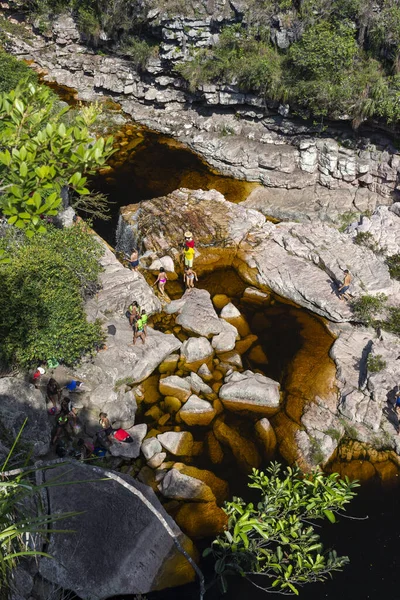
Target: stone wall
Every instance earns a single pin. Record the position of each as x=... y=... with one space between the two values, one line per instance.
x=306 y=173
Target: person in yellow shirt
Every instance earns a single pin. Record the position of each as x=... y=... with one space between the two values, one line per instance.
x=189 y=256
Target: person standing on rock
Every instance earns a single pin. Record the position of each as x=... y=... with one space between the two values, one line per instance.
x=189 y=277
x=134 y=260
x=134 y=312
x=139 y=331
x=188 y=249
x=345 y=286
x=144 y=318
x=161 y=281
x=53 y=392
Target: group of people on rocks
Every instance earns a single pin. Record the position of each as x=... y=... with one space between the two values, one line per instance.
x=66 y=434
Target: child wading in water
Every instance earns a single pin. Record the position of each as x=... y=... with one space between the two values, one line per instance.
x=189 y=277
x=161 y=280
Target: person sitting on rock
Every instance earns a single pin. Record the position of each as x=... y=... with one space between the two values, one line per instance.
x=106 y=426
x=69 y=409
x=53 y=392
x=342 y=291
x=85 y=449
x=161 y=281
x=139 y=331
x=189 y=277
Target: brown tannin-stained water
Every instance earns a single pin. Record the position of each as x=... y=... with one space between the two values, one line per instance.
x=148 y=165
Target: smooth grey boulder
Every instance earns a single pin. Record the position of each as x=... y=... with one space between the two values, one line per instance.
x=196 y=349
x=251 y=392
x=178 y=486
x=20 y=400
x=116 y=545
x=197 y=314
x=150 y=447
x=229 y=311
x=197 y=411
x=198 y=385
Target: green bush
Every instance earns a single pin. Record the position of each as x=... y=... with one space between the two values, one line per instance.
x=12 y=71
x=42 y=292
x=366 y=307
x=375 y=363
x=275 y=538
x=139 y=51
x=393 y=262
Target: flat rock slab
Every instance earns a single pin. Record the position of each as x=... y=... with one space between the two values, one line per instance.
x=116 y=546
x=132 y=449
x=196 y=314
x=20 y=400
x=250 y=392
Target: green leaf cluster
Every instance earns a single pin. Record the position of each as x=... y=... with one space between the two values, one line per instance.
x=44 y=285
x=40 y=155
x=274 y=542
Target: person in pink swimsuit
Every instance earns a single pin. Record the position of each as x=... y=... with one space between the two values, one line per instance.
x=161 y=280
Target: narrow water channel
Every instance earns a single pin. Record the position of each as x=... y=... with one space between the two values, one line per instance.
x=296 y=344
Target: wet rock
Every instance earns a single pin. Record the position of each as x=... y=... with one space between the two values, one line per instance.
x=214 y=448
x=178 y=443
x=175 y=386
x=197 y=412
x=218 y=486
x=205 y=373
x=201 y=519
x=150 y=447
x=169 y=365
x=256 y=296
x=250 y=392
x=178 y=486
x=146 y=475
x=226 y=340
x=229 y=311
x=220 y=300
x=244 y=345
x=20 y=400
x=156 y=460
x=244 y=450
x=195 y=350
x=197 y=384
x=140 y=562
x=172 y=404
x=258 y=355
x=229 y=360
x=266 y=434
x=131 y=450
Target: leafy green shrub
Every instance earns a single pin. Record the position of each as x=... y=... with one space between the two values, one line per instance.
x=365 y=238
x=43 y=287
x=12 y=71
x=393 y=262
x=139 y=51
x=40 y=155
x=392 y=321
x=375 y=363
x=274 y=538
x=366 y=307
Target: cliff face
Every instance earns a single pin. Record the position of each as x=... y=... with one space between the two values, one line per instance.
x=306 y=173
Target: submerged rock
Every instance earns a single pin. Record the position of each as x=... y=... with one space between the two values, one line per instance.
x=136 y=555
x=244 y=450
x=266 y=434
x=201 y=519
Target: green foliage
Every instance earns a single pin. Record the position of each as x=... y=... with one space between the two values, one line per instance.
x=393 y=262
x=366 y=307
x=12 y=71
x=392 y=321
x=125 y=381
x=365 y=238
x=275 y=539
x=42 y=292
x=335 y=434
x=139 y=51
x=375 y=363
x=40 y=155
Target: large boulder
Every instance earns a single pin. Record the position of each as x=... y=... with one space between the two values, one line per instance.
x=19 y=401
x=196 y=350
x=106 y=552
x=250 y=392
x=132 y=449
x=243 y=449
x=175 y=386
x=178 y=443
x=178 y=486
